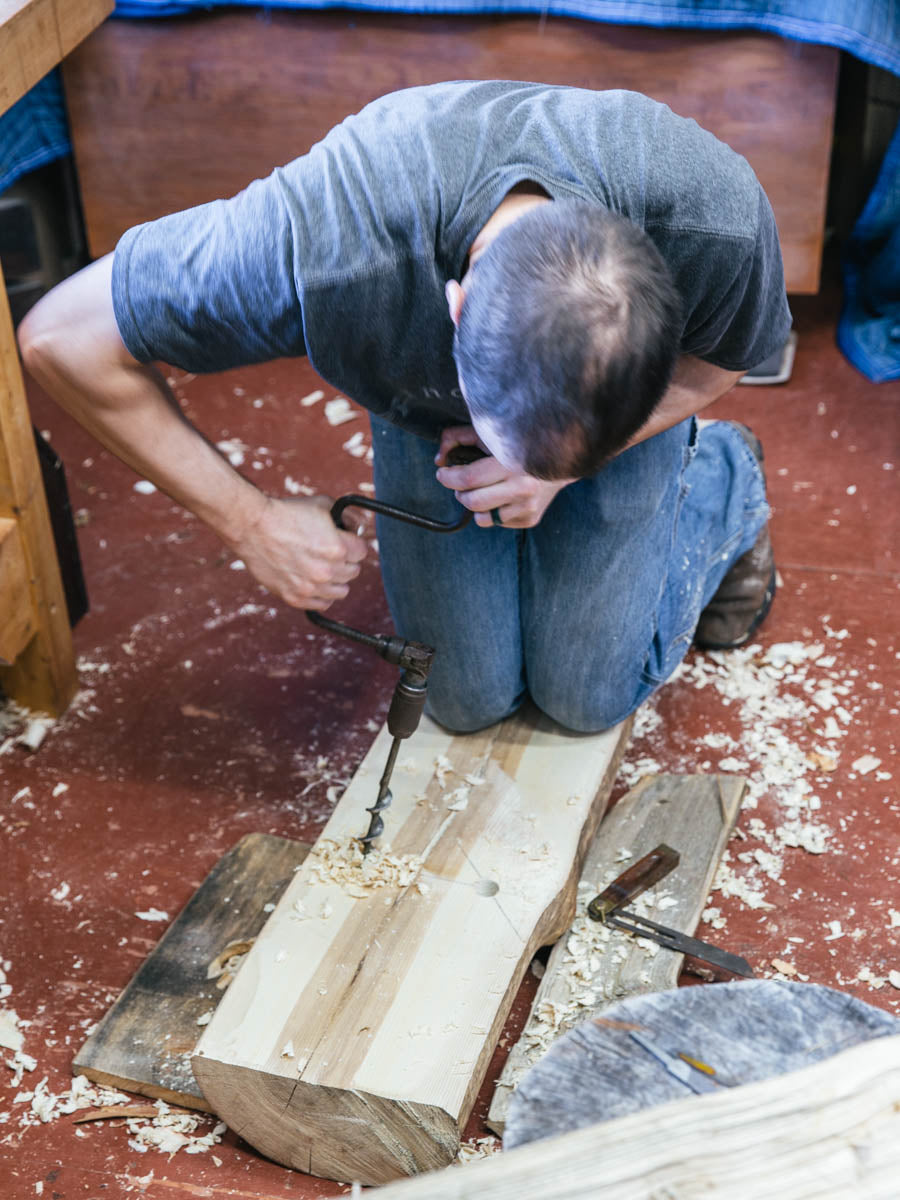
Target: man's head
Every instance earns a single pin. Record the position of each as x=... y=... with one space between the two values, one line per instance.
x=567 y=335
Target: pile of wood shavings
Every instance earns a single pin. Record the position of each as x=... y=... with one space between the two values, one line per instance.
x=166 y=1130
x=170 y=1131
x=44 y=1106
x=359 y=875
x=580 y=986
x=477 y=1149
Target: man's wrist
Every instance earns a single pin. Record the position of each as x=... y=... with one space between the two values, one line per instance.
x=239 y=520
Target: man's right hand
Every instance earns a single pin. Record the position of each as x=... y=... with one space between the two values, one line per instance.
x=294 y=549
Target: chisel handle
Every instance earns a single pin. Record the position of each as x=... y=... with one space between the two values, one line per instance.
x=631 y=883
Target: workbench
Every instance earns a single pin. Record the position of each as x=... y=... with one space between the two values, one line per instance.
x=172 y=112
x=37 y=662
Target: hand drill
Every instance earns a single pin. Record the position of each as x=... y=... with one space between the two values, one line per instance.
x=413 y=658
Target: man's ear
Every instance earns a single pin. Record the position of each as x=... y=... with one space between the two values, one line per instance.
x=455 y=296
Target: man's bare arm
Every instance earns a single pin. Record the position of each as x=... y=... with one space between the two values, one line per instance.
x=695 y=385
x=71 y=344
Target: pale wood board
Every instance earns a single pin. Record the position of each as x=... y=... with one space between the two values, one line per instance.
x=35 y=35
x=827 y=1132
x=692 y=813
x=144 y=1042
x=43 y=676
x=16 y=626
x=393 y=1010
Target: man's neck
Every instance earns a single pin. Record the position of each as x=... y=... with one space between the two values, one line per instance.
x=519 y=200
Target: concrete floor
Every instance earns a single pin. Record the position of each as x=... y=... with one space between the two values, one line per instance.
x=207 y=711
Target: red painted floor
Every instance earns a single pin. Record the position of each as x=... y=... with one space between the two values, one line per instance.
x=207 y=711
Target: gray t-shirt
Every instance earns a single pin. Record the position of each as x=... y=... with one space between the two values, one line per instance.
x=343 y=254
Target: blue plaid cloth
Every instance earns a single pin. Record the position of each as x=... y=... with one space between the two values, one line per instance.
x=870 y=29
x=34 y=131
x=869 y=328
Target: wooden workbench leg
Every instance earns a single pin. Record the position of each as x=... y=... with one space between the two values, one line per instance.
x=43 y=675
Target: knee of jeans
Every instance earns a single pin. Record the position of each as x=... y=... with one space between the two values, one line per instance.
x=468 y=713
x=584 y=714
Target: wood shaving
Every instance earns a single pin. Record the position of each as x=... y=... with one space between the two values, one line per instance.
x=153 y=914
x=171 y=1130
x=784 y=968
x=358 y=874
x=226 y=965
x=234 y=450
x=442 y=768
x=478 y=1149
x=191 y=710
x=459 y=799
x=356 y=445
x=338 y=410
x=11 y=1036
x=114 y=1112
x=865 y=764
x=293 y=488
x=312 y=398
x=824 y=762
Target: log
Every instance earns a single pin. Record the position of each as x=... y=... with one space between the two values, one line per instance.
x=692 y=813
x=825 y=1132
x=354 y=1039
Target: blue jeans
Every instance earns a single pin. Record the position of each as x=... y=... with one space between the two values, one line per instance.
x=589 y=611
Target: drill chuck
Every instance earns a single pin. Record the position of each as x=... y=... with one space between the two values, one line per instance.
x=407 y=706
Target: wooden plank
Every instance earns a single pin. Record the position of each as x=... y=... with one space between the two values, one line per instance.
x=825 y=1132
x=593 y=967
x=36 y=34
x=353 y=1041
x=16 y=625
x=144 y=1042
x=222 y=98
x=43 y=677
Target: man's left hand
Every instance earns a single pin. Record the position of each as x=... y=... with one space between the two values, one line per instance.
x=489 y=489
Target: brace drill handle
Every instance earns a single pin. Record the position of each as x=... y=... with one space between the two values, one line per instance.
x=413 y=658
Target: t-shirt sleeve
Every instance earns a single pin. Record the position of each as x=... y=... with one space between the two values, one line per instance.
x=742 y=315
x=212 y=287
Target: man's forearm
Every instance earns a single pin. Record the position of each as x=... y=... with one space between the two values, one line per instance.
x=72 y=347
x=695 y=385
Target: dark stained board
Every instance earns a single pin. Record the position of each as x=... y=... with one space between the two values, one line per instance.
x=166 y=114
x=145 y=1041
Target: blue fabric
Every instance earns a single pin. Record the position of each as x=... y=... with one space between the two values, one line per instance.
x=589 y=611
x=870 y=29
x=34 y=131
x=869 y=328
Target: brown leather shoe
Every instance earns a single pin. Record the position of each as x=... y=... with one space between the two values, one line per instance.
x=745 y=595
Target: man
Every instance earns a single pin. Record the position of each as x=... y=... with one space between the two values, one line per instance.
x=601 y=269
